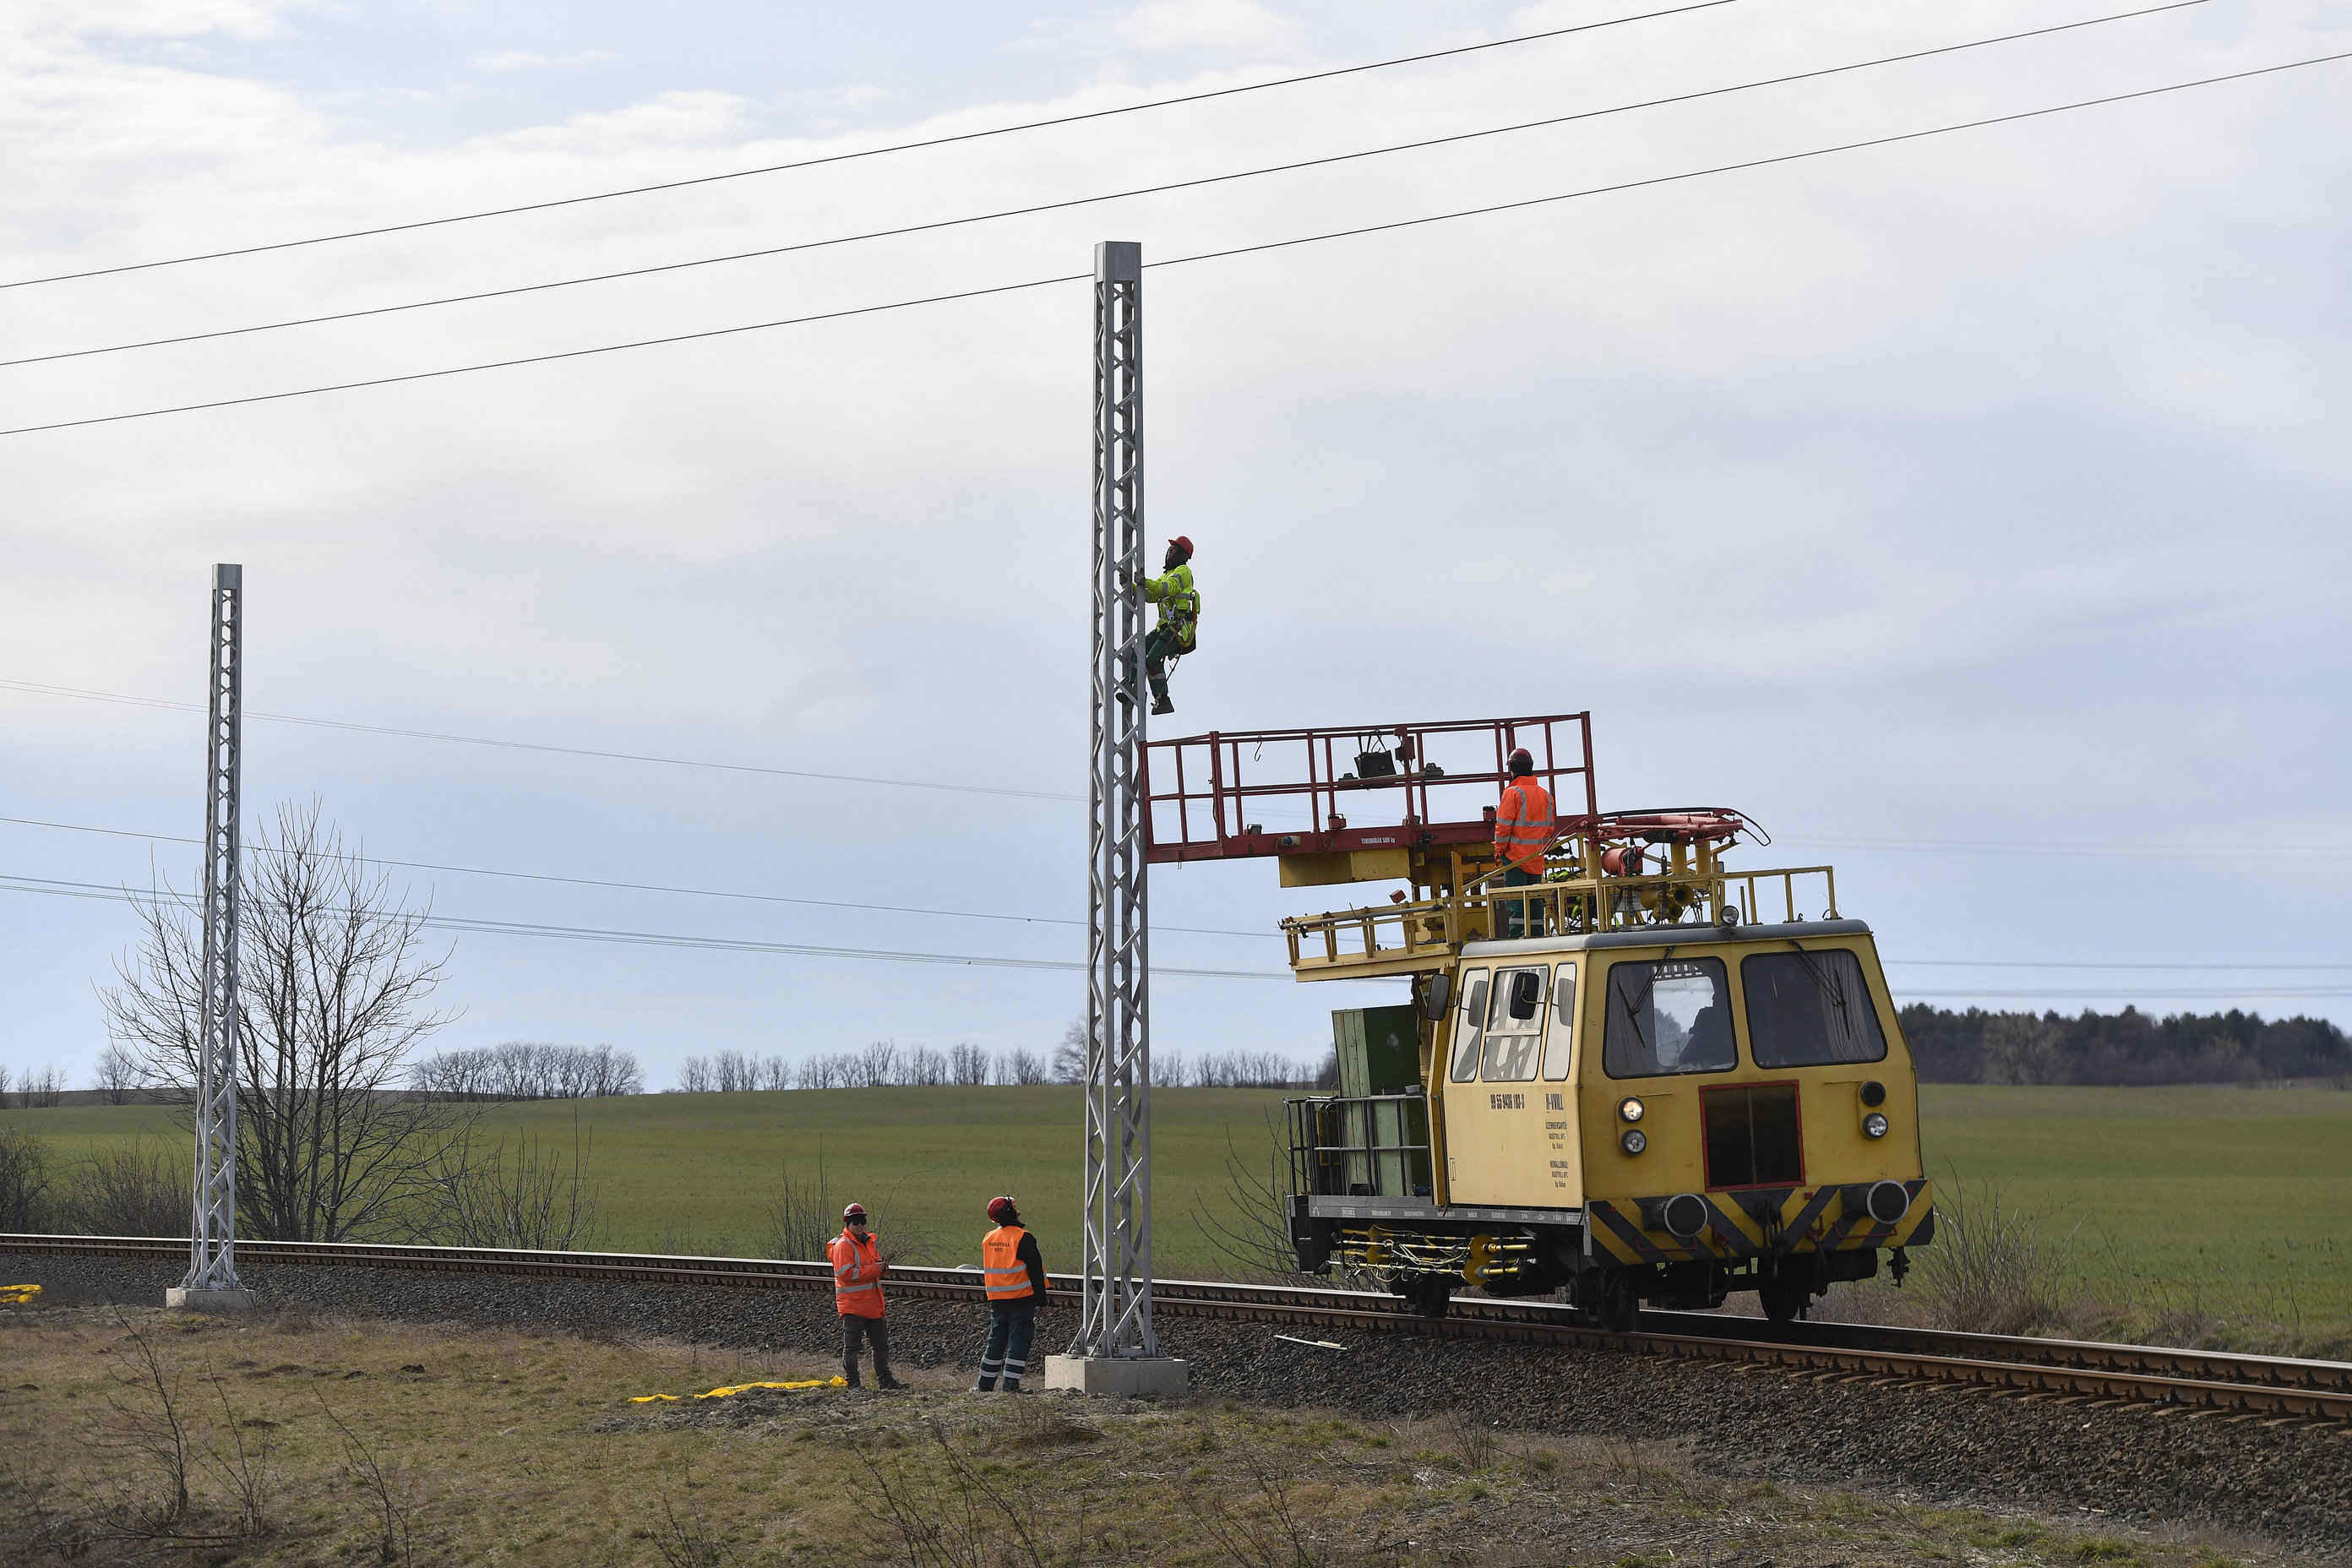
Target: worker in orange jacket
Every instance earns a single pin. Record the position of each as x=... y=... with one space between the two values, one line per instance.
x=1014 y=1272
x=1522 y=828
x=857 y=1295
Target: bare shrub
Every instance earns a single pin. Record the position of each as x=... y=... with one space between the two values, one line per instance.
x=41 y=1090
x=26 y=1175
x=1990 y=1269
x=530 y=1198
x=1258 y=1524
x=390 y=1491
x=801 y=1215
x=1247 y=1219
x=135 y=1189
x=961 y=1519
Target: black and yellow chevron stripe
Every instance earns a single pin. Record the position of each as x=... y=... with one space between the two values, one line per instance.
x=1761 y=1223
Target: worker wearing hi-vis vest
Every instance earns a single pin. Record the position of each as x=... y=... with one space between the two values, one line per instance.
x=1014 y=1272
x=857 y=1295
x=1523 y=828
x=1180 y=620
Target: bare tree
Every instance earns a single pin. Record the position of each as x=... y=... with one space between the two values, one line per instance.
x=735 y=1072
x=967 y=1065
x=878 y=1064
x=118 y=1073
x=924 y=1067
x=775 y=1072
x=1070 y=1055
x=694 y=1077
x=1021 y=1067
x=336 y=986
x=3 y=1086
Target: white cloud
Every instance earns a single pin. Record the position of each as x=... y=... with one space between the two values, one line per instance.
x=523 y=60
x=1166 y=25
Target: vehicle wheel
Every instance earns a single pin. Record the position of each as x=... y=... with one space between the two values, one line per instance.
x=1620 y=1305
x=1785 y=1298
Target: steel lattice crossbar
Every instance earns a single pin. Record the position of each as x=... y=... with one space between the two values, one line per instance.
x=212 y=1243
x=1115 y=1316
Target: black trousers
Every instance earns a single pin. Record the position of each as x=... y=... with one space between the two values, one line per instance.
x=1011 y=1327
x=875 y=1330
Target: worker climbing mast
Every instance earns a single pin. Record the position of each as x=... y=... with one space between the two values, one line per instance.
x=1115 y=1350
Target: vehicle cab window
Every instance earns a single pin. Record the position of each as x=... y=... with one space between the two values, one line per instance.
x=1515 y=1024
x=1469 y=1025
x=1810 y=1009
x=1560 y=1044
x=1667 y=1016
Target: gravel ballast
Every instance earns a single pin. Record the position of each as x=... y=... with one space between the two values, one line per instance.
x=2285 y=1480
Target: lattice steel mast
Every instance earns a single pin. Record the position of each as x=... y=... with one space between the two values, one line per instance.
x=212 y=1245
x=1116 y=1312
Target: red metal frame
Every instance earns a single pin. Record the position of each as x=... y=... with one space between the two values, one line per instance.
x=1226 y=818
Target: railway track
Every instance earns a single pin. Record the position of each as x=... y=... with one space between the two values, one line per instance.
x=2191 y=1381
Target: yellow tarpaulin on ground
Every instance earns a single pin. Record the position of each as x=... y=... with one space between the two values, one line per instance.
x=17 y=1295
x=737 y=1388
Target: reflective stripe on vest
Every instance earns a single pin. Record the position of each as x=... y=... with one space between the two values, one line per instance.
x=1001 y=1267
x=1523 y=825
x=857 y=1276
x=1179 y=601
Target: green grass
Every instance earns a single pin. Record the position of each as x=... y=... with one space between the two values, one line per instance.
x=2221 y=1201
x=2228 y=1203
x=696 y=1172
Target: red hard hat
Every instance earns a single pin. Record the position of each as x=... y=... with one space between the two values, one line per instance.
x=1183 y=543
x=854 y=1211
x=1002 y=1211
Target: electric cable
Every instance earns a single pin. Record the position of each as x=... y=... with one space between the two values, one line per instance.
x=14 y=883
x=38 y=689
x=1926 y=846
x=642 y=886
x=873 y=152
x=1034 y=209
x=706 y=334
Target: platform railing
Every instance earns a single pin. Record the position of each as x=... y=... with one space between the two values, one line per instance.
x=1422 y=934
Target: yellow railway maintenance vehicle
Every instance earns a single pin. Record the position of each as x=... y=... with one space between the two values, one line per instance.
x=1647 y=1077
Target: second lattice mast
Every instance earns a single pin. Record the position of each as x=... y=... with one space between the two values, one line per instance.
x=1116 y=1309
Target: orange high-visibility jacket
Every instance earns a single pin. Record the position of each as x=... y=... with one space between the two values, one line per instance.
x=856 y=1275
x=1523 y=825
x=1001 y=1266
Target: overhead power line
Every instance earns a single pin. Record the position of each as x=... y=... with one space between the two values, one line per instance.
x=1025 y=125
x=1357 y=232
x=646 y=887
x=53 y=887
x=1947 y=845
x=38 y=689
x=1032 y=210
x=17 y=883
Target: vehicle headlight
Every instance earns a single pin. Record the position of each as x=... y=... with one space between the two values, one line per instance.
x=1630 y=1109
x=1874 y=1125
x=1634 y=1141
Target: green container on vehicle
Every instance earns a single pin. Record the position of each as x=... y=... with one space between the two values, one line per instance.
x=1379 y=1049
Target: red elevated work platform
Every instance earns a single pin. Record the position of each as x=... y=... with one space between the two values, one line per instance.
x=1229 y=794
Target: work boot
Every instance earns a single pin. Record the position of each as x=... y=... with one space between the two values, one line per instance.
x=892 y=1383
x=1161 y=705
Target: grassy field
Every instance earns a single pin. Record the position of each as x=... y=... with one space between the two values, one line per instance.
x=2222 y=1203
x=310 y=1441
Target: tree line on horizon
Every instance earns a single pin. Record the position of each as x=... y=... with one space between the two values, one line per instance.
x=2130 y=1047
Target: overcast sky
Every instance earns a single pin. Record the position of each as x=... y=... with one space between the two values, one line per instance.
x=1970 y=510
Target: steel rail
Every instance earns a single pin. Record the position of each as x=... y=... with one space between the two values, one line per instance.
x=2201 y=1380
